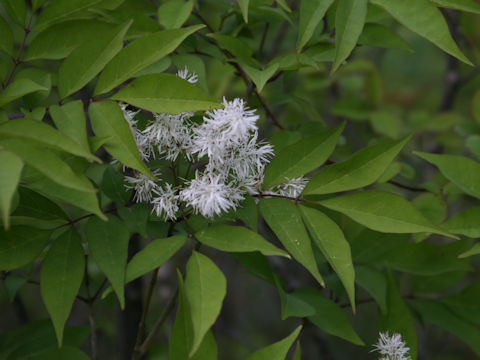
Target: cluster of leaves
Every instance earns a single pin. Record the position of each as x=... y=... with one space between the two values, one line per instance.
x=68 y=219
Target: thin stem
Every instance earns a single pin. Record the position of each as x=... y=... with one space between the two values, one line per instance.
x=262 y=41
x=74 y=221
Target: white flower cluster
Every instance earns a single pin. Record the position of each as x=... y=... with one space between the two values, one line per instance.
x=391 y=347
x=224 y=144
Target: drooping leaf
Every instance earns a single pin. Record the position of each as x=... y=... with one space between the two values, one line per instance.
x=382 y=211
x=302 y=157
x=237 y=239
x=462 y=171
x=311 y=13
x=128 y=62
x=61 y=277
x=260 y=77
x=108 y=243
x=10 y=169
x=285 y=220
x=165 y=93
x=70 y=119
x=425 y=19
x=20 y=245
x=463 y=5
x=381 y=36
x=331 y=241
x=87 y=60
x=108 y=121
x=205 y=288
x=174 y=13
x=60 y=10
x=17 y=89
x=362 y=169
x=278 y=350
x=349 y=21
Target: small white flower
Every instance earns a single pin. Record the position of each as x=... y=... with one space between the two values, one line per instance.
x=144 y=186
x=192 y=78
x=144 y=147
x=165 y=204
x=209 y=195
x=291 y=188
x=391 y=347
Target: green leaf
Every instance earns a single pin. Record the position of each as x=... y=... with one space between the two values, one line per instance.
x=386 y=123
x=20 y=245
x=205 y=288
x=362 y=169
x=33 y=204
x=233 y=45
x=61 y=10
x=311 y=13
x=61 y=277
x=462 y=171
x=66 y=352
x=86 y=61
x=165 y=93
x=462 y=5
x=46 y=135
x=260 y=77
x=331 y=241
x=17 y=10
x=465 y=223
x=153 y=255
x=6 y=37
x=243 y=4
x=108 y=243
x=381 y=36
x=384 y=212
x=174 y=13
x=473 y=144
x=375 y=283
x=237 y=239
x=423 y=18
x=398 y=318
x=127 y=63
x=58 y=41
x=17 y=89
x=302 y=157
x=113 y=185
x=476 y=106
x=278 y=350
x=136 y=218
x=349 y=21
x=475 y=250
x=108 y=121
x=70 y=120
x=285 y=220
x=11 y=168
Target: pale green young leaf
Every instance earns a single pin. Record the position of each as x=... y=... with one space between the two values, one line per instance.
x=10 y=169
x=349 y=22
x=311 y=13
x=174 y=13
x=70 y=120
x=17 y=89
x=108 y=244
x=237 y=239
x=61 y=277
x=205 y=289
x=301 y=157
x=381 y=36
x=20 y=245
x=108 y=122
x=127 y=62
x=260 y=77
x=243 y=4
x=465 y=223
x=285 y=220
x=425 y=19
x=283 y=4
x=330 y=240
x=384 y=212
x=6 y=37
x=87 y=60
x=60 y=10
x=165 y=93
x=462 y=171
x=463 y=5
x=362 y=169
x=278 y=350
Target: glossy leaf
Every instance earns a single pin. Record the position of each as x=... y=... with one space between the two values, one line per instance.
x=302 y=157
x=165 y=93
x=311 y=13
x=174 y=13
x=381 y=36
x=10 y=170
x=61 y=277
x=349 y=22
x=205 y=288
x=70 y=120
x=108 y=121
x=108 y=243
x=237 y=239
x=60 y=10
x=462 y=171
x=128 y=62
x=465 y=223
x=20 y=245
x=278 y=350
x=463 y=5
x=260 y=77
x=17 y=89
x=382 y=211
x=285 y=220
x=330 y=240
x=86 y=61
x=423 y=18
x=362 y=169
